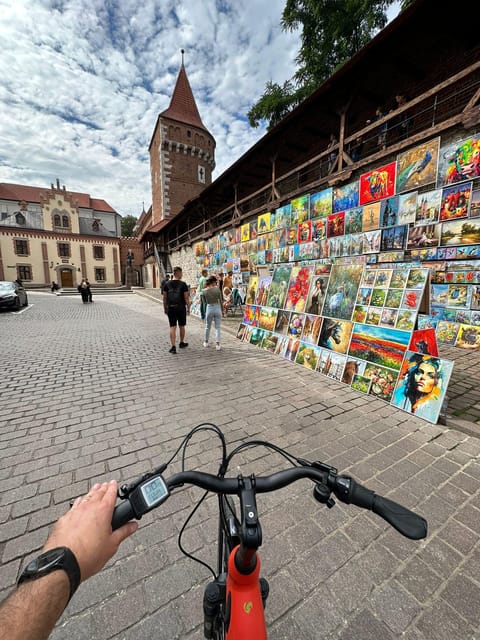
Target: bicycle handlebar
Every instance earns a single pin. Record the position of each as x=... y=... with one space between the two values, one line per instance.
x=345 y=488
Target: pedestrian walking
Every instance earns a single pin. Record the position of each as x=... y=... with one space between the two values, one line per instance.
x=202 y=281
x=176 y=303
x=213 y=303
x=84 y=290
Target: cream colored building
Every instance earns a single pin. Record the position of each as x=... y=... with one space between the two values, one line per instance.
x=57 y=235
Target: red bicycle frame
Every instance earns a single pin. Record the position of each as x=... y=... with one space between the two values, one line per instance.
x=244 y=609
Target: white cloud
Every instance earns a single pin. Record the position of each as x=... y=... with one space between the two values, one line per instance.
x=83 y=82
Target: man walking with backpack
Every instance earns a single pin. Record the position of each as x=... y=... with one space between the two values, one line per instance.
x=176 y=303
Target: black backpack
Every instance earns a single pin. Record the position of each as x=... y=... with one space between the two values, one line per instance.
x=175 y=296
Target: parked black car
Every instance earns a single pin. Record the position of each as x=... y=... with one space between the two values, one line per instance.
x=12 y=295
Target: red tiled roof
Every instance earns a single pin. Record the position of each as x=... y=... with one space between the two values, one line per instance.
x=19 y=192
x=154 y=229
x=183 y=107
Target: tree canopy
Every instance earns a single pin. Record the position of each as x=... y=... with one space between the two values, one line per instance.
x=331 y=33
x=127 y=225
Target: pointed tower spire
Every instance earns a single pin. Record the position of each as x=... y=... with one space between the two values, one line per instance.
x=183 y=107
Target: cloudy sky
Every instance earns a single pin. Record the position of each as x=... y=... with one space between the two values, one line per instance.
x=83 y=81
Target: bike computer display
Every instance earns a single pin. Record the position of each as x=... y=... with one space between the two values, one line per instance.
x=154 y=492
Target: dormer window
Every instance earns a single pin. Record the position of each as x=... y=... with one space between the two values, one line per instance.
x=95 y=225
x=20 y=218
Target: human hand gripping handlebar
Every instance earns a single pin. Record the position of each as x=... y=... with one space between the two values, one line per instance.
x=345 y=488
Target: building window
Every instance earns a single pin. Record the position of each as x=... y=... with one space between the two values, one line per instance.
x=20 y=218
x=65 y=221
x=24 y=272
x=189 y=133
x=64 y=249
x=201 y=174
x=100 y=275
x=57 y=222
x=21 y=247
x=98 y=252
x=95 y=225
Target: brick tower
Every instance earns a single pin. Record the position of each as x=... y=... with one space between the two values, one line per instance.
x=182 y=153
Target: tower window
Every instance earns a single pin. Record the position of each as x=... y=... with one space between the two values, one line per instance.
x=189 y=133
x=20 y=218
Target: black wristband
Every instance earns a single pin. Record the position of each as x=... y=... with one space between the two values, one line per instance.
x=52 y=560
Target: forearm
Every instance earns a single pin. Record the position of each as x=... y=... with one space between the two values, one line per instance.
x=32 y=610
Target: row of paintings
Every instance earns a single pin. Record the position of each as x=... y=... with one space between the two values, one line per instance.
x=413 y=169
x=415 y=382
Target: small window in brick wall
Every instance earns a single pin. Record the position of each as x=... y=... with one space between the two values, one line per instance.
x=98 y=252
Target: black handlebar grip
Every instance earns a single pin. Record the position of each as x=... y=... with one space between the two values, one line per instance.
x=403 y=520
x=361 y=496
x=122 y=514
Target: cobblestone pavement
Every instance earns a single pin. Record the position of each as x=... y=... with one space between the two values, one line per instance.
x=90 y=392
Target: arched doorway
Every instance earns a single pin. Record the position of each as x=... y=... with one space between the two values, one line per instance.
x=66 y=277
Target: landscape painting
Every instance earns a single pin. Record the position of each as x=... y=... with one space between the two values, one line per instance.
x=300 y=210
x=417 y=167
x=458 y=232
x=279 y=287
x=308 y=356
x=331 y=364
x=342 y=291
x=345 y=197
x=428 y=206
x=321 y=204
x=379 y=345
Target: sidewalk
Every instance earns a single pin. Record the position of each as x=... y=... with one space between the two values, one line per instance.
x=90 y=392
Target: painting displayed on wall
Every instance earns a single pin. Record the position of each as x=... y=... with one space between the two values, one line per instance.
x=251 y=315
x=282 y=217
x=282 y=322
x=263 y=223
x=421 y=385
x=428 y=207
x=424 y=341
x=377 y=184
x=311 y=328
x=291 y=348
x=331 y=364
x=475 y=204
x=304 y=233
x=417 y=167
x=300 y=209
x=298 y=287
x=308 y=356
x=379 y=345
x=353 y=220
x=389 y=212
x=319 y=229
x=251 y=290
x=427 y=235
x=458 y=232
x=407 y=207
x=447 y=331
x=361 y=383
x=279 y=287
x=459 y=296
x=468 y=337
x=335 y=335
x=316 y=294
x=342 y=291
x=455 y=201
x=256 y=336
x=371 y=216
x=345 y=197
x=263 y=289
x=321 y=204
x=394 y=238
x=459 y=161
x=336 y=224
x=267 y=319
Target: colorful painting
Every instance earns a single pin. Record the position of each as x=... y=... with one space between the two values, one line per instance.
x=352 y=368
x=316 y=294
x=300 y=211
x=421 y=385
x=388 y=318
x=389 y=212
x=459 y=161
x=282 y=217
x=291 y=348
x=417 y=278
x=353 y=220
x=335 y=335
x=428 y=207
x=311 y=328
x=321 y=204
x=423 y=236
x=406 y=320
x=458 y=232
x=459 y=295
x=475 y=204
x=263 y=289
x=399 y=278
x=251 y=315
x=359 y=313
x=295 y=325
x=342 y=291
x=373 y=316
x=298 y=288
x=319 y=229
x=382 y=381
x=407 y=208
x=245 y=232
x=417 y=167
x=270 y=341
x=447 y=332
x=252 y=290
x=308 y=356
x=263 y=223
x=371 y=216
x=336 y=224
x=424 y=341
x=331 y=364
x=304 y=232
x=361 y=383
x=394 y=238
x=267 y=319
x=377 y=184
x=345 y=197
x=256 y=336
x=455 y=201
x=468 y=337
x=379 y=345
x=279 y=287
